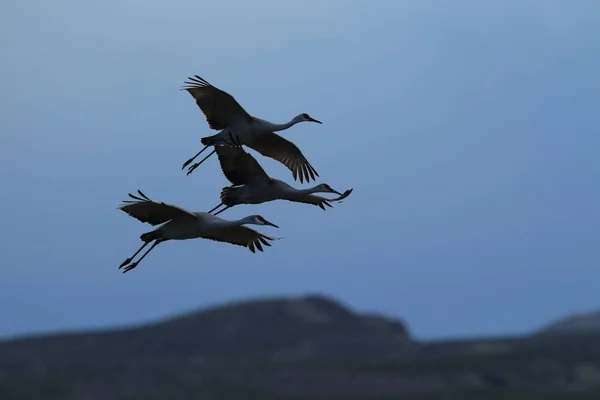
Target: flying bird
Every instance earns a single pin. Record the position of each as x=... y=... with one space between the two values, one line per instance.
x=225 y=114
x=180 y=224
x=252 y=185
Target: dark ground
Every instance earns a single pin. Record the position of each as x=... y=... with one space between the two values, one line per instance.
x=306 y=348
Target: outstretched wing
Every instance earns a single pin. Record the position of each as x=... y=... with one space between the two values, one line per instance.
x=274 y=146
x=219 y=107
x=155 y=213
x=241 y=236
x=321 y=201
x=238 y=166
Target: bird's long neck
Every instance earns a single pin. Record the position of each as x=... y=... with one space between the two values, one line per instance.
x=303 y=192
x=236 y=222
x=282 y=127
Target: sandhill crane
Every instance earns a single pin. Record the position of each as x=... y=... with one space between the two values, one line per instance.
x=252 y=185
x=225 y=114
x=180 y=224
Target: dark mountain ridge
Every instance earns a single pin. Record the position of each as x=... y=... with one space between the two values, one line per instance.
x=281 y=328
x=577 y=323
x=285 y=347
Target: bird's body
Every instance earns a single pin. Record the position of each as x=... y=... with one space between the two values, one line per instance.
x=192 y=225
x=225 y=114
x=176 y=223
x=262 y=192
x=246 y=131
x=252 y=185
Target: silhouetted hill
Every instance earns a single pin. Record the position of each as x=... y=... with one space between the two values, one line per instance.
x=580 y=323
x=290 y=348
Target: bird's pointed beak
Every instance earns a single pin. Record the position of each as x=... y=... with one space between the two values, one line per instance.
x=336 y=192
x=271 y=224
x=315 y=120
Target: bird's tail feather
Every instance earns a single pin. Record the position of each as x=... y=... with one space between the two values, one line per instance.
x=150 y=236
x=210 y=140
x=230 y=196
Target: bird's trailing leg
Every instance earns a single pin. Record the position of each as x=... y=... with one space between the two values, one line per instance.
x=135 y=264
x=217 y=206
x=219 y=212
x=185 y=164
x=233 y=142
x=194 y=166
x=130 y=259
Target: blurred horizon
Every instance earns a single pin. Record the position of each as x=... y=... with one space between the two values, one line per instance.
x=237 y=302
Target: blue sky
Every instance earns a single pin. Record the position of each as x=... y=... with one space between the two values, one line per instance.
x=468 y=130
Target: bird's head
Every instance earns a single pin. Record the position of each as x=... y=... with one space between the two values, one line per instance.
x=325 y=188
x=259 y=220
x=304 y=117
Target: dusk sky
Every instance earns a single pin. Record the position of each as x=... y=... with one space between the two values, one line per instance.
x=468 y=130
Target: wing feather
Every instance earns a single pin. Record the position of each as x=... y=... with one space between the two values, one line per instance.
x=321 y=201
x=219 y=107
x=276 y=147
x=239 y=167
x=155 y=213
x=241 y=236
